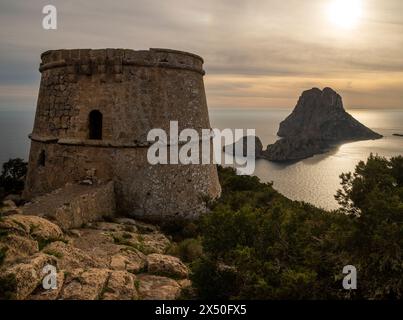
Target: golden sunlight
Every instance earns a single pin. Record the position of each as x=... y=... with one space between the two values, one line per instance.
x=345 y=13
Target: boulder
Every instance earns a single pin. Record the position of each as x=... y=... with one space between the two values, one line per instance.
x=185 y=283
x=130 y=260
x=49 y=294
x=155 y=242
x=153 y=287
x=37 y=227
x=120 y=286
x=18 y=247
x=20 y=280
x=160 y=264
x=147 y=243
x=70 y=257
x=83 y=284
x=95 y=243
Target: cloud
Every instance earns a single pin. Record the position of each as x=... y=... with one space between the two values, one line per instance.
x=264 y=50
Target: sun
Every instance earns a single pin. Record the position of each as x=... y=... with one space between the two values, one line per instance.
x=345 y=13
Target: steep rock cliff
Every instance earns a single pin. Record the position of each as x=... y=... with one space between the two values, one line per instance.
x=317 y=122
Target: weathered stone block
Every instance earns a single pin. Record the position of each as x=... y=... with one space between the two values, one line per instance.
x=74 y=205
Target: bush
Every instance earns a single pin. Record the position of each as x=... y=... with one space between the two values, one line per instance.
x=212 y=281
x=187 y=250
x=275 y=248
x=13 y=176
x=373 y=194
x=181 y=229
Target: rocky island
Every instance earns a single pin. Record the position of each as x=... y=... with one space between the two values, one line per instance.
x=318 y=122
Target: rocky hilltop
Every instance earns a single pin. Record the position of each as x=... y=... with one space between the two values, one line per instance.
x=317 y=122
x=123 y=259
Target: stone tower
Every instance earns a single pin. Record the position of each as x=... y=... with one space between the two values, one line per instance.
x=94 y=111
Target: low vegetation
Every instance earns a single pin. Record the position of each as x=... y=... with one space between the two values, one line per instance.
x=257 y=244
x=187 y=250
x=12 y=177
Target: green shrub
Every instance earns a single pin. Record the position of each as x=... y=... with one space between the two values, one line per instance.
x=13 y=176
x=275 y=248
x=373 y=194
x=212 y=281
x=187 y=250
x=181 y=229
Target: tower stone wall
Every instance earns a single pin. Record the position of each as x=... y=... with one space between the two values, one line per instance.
x=133 y=92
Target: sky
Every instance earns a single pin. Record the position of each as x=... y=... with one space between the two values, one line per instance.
x=258 y=53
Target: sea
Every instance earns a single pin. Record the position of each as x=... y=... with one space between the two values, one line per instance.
x=313 y=180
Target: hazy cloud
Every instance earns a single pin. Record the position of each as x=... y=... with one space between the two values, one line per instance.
x=258 y=53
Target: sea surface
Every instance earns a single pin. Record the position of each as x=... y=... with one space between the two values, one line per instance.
x=313 y=180
x=15 y=125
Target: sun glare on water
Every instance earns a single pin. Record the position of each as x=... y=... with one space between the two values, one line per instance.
x=345 y=13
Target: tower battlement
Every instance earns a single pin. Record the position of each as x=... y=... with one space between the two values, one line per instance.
x=112 y=61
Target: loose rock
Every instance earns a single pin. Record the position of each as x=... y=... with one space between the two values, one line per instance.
x=24 y=277
x=120 y=286
x=166 y=265
x=85 y=285
x=158 y=288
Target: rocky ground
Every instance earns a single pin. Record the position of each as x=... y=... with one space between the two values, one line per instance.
x=123 y=259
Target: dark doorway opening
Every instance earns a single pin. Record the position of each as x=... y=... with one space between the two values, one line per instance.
x=95 y=125
x=42 y=159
